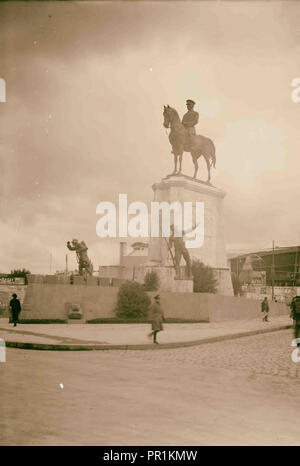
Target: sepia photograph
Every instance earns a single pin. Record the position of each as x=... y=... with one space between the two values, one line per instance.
x=149 y=226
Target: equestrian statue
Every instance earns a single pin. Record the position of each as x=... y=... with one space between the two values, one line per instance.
x=183 y=138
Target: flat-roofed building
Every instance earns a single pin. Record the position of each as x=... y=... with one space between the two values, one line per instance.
x=281 y=265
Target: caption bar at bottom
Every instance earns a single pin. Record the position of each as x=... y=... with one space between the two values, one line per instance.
x=151 y=455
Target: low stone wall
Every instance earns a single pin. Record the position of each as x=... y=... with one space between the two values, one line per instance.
x=45 y=301
x=166 y=276
x=282 y=294
x=223 y=308
x=52 y=301
x=208 y=307
x=183 y=306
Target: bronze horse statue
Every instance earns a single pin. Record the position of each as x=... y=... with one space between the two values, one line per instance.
x=200 y=145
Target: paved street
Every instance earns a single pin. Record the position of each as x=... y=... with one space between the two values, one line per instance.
x=134 y=334
x=237 y=392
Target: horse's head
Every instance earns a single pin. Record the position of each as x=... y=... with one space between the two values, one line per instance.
x=168 y=115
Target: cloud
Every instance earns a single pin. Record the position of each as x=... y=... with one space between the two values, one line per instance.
x=83 y=118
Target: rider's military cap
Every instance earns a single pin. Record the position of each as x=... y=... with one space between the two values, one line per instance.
x=190 y=100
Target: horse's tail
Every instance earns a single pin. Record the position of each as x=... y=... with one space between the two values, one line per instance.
x=213 y=155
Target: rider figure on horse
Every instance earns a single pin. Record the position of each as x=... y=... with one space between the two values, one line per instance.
x=189 y=120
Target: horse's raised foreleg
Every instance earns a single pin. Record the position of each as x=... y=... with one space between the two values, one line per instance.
x=175 y=164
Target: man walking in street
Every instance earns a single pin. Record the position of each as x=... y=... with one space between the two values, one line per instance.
x=265 y=309
x=15 y=307
x=157 y=318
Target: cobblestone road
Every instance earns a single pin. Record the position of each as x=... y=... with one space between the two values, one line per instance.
x=268 y=354
x=238 y=392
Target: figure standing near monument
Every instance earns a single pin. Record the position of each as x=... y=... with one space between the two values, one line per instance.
x=180 y=251
x=295 y=315
x=85 y=266
x=15 y=307
x=157 y=318
x=265 y=309
x=189 y=121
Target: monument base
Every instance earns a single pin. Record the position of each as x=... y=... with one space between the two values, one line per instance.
x=167 y=280
x=184 y=189
x=183 y=285
x=224 y=287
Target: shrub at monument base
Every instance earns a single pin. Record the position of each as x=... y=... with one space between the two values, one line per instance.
x=236 y=284
x=20 y=273
x=151 y=281
x=204 y=278
x=132 y=301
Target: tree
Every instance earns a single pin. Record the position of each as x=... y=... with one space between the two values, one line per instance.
x=204 y=278
x=236 y=285
x=151 y=281
x=247 y=271
x=133 y=302
x=17 y=273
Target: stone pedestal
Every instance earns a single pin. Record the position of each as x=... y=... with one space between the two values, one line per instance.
x=181 y=188
x=167 y=280
x=183 y=285
x=78 y=280
x=92 y=281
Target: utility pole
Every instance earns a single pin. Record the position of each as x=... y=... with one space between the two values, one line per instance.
x=273 y=266
x=50 y=263
x=295 y=267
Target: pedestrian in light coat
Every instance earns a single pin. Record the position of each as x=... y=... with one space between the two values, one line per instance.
x=157 y=318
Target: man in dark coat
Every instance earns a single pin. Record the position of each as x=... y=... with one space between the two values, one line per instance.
x=15 y=306
x=157 y=318
x=265 y=309
x=295 y=314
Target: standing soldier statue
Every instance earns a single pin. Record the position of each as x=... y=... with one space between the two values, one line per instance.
x=180 y=251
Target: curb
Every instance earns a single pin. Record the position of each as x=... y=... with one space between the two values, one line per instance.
x=96 y=347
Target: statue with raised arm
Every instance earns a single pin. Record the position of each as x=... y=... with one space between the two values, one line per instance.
x=180 y=250
x=85 y=266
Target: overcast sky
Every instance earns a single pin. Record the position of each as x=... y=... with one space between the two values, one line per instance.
x=86 y=85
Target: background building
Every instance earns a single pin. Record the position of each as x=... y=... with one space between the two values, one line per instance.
x=129 y=263
x=281 y=265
